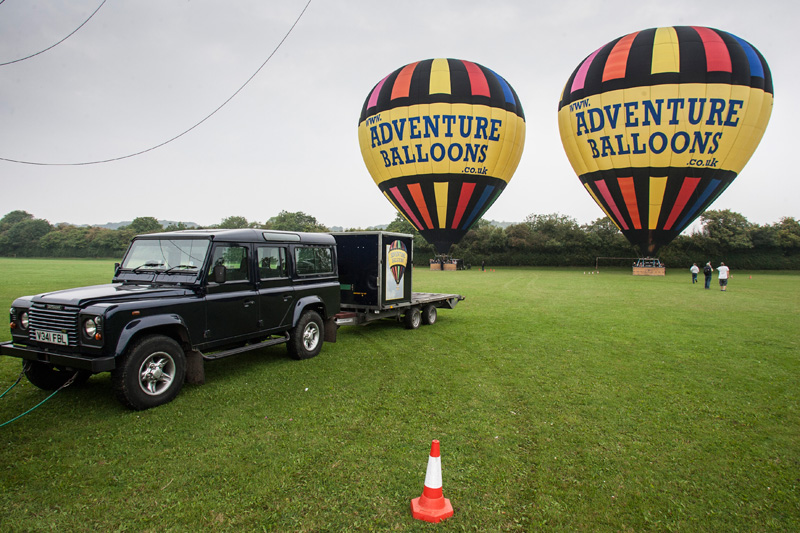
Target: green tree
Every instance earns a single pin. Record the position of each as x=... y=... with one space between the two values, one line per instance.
x=12 y=218
x=23 y=237
x=234 y=223
x=788 y=233
x=176 y=226
x=604 y=238
x=142 y=225
x=298 y=221
x=725 y=231
x=555 y=232
x=401 y=225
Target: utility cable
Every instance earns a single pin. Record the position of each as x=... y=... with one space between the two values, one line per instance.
x=59 y=42
x=85 y=163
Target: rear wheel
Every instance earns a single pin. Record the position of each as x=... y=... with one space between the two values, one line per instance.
x=429 y=314
x=151 y=373
x=413 y=318
x=49 y=377
x=305 y=341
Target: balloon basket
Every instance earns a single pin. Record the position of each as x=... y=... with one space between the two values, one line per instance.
x=649 y=266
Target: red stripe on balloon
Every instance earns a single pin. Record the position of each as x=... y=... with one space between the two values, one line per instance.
x=463 y=200
x=406 y=209
x=402 y=84
x=718 y=59
x=416 y=194
x=477 y=80
x=629 y=195
x=606 y=194
x=617 y=61
x=688 y=187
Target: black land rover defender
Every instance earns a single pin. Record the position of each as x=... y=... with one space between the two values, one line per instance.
x=179 y=298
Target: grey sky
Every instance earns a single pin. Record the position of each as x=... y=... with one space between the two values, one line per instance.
x=142 y=71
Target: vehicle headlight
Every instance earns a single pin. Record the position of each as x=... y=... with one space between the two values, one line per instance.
x=92 y=327
x=23 y=320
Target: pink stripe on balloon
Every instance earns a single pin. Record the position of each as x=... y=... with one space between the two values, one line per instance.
x=373 y=98
x=580 y=78
x=406 y=209
x=606 y=194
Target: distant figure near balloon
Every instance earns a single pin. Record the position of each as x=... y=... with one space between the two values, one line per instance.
x=658 y=123
x=441 y=139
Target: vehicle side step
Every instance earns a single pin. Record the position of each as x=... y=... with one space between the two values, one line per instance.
x=247 y=348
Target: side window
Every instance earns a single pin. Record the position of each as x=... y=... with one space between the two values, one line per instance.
x=271 y=262
x=311 y=260
x=234 y=258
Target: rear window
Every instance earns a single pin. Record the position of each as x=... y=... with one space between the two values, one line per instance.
x=313 y=260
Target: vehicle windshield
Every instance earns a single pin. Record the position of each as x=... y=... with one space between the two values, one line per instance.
x=167 y=255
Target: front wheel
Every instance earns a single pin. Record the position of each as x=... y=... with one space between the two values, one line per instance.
x=49 y=377
x=413 y=318
x=305 y=340
x=151 y=373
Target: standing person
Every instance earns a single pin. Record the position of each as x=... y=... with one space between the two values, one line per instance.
x=707 y=270
x=695 y=270
x=722 y=271
x=483 y=265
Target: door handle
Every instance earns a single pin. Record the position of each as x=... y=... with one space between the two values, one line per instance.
x=287 y=297
x=248 y=303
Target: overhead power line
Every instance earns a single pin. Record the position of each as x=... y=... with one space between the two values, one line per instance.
x=109 y=160
x=59 y=42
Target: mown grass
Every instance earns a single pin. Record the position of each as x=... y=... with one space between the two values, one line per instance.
x=562 y=400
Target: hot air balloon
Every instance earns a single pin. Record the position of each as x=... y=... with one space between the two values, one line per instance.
x=441 y=139
x=397 y=260
x=658 y=123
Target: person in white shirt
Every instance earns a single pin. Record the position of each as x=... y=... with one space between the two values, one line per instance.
x=722 y=271
x=694 y=270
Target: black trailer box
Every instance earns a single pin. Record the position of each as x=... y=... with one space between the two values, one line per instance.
x=374 y=268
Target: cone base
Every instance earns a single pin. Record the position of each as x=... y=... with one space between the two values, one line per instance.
x=431 y=510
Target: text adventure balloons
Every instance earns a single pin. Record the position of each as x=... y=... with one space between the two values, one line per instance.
x=442 y=138
x=658 y=123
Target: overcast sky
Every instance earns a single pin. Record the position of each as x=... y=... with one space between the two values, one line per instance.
x=141 y=72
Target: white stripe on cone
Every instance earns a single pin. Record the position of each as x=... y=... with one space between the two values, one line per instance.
x=433 y=476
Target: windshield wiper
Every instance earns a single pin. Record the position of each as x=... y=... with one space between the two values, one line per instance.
x=148 y=264
x=180 y=267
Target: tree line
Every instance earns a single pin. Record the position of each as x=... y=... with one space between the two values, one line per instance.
x=540 y=240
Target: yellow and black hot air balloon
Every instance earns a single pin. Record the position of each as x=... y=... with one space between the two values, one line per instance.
x=658 y=123
x=441 y=139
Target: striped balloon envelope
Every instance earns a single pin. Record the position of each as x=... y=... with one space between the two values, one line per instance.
x=442 y=138
x=658 y=123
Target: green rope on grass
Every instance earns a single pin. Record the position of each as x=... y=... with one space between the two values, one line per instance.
x=64 y=386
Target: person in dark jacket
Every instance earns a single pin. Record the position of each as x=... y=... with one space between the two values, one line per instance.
x=707 y=270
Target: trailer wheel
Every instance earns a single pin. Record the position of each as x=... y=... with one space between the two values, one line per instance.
x=306 y=339
x=49 y=377
x=429 y=315
x=151 y=373
x=413 y=318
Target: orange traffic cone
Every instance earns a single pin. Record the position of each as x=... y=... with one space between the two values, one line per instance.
x=432 y=506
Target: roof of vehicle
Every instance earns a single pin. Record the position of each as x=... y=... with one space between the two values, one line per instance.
x=244 y=235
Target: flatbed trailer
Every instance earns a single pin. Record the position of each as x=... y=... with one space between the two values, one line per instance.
x=421 y=309
x=375 y=270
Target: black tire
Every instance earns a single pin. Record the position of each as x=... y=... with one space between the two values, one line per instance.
x=151 y=373
x=429 y=315
x=413 y=318
x=49 y=377
x=305 y=340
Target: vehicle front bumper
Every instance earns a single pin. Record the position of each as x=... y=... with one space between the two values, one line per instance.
x=77 y=361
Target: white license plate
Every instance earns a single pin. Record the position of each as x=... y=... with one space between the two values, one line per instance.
x=52 y=337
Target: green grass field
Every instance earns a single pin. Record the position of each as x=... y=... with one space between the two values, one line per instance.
x=562 y=400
